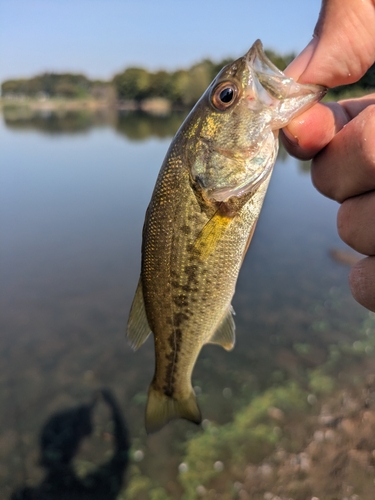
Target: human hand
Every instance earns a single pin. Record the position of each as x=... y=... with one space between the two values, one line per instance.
x=339 y=136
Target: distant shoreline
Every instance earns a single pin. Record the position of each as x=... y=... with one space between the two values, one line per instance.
x=154 y=106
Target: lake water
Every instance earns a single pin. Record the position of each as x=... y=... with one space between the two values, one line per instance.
x=74 y=191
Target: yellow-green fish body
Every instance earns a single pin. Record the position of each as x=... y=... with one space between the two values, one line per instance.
x=200 y=221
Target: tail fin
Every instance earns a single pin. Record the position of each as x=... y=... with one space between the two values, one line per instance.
x=161 y=409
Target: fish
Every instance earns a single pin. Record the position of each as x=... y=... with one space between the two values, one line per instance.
x=200 y=221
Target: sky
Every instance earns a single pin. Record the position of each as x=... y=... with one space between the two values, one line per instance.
x=102 y=37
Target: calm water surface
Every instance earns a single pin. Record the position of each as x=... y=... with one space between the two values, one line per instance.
x=73 y=198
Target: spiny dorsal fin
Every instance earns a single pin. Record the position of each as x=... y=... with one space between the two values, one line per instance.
x=225 y=334
x=211 y=233
x=138 y=327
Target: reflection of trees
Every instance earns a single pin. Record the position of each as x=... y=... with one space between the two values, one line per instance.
x=60 y=440
x=53 y=122
x=139 y=126
x=135 y=125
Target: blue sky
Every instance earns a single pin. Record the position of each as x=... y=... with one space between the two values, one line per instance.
x=102 y=37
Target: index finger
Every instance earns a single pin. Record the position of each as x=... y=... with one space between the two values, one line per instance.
x=310 y=132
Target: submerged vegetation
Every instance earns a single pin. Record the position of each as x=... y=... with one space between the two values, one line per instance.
x=303 y=439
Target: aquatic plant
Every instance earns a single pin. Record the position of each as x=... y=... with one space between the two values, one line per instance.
x=220 y=453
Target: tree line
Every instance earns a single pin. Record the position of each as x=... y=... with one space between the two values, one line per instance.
x=182 y=88
x=50 y=85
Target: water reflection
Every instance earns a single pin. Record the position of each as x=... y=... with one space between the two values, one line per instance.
x=56 y=122
x=60 y=440
x=136 y=126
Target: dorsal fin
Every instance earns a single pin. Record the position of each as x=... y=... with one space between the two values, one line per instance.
x=225 y=334
x=138 y=328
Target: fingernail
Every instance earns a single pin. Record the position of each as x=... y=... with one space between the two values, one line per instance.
x=297 y=67
x=288 y=137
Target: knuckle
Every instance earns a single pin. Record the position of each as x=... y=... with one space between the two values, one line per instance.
x=366 y=131
x=320 y=177
x=345 y=227
x=354 y=223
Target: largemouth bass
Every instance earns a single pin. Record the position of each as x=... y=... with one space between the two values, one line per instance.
x=200 y=221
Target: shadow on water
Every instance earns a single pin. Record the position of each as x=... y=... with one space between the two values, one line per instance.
x=60 y=440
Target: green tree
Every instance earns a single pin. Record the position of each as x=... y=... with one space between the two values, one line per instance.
x=133 y=83
x=50 y=84
x=179 y=84
x=280 y=61
x=160 y=84
x=364 y=85
x=199 y=79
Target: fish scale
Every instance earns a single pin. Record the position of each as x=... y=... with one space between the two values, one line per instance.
x=200 y=221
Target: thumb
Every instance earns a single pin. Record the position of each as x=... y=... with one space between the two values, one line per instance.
x=343 y=46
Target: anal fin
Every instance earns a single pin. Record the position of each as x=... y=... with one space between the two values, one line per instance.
x=225 y=334
x=138 y=328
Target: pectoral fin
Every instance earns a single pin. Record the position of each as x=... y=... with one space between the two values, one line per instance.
x=211 y=234
x=138 y=327
x=225 y=334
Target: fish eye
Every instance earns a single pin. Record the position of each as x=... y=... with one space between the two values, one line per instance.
x=224 y=95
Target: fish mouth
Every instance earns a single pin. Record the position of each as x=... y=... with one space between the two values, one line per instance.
x=256 y=51
x=260 y=65
x=272 y=88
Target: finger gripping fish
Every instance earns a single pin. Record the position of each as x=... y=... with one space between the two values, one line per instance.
x=200 y=221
